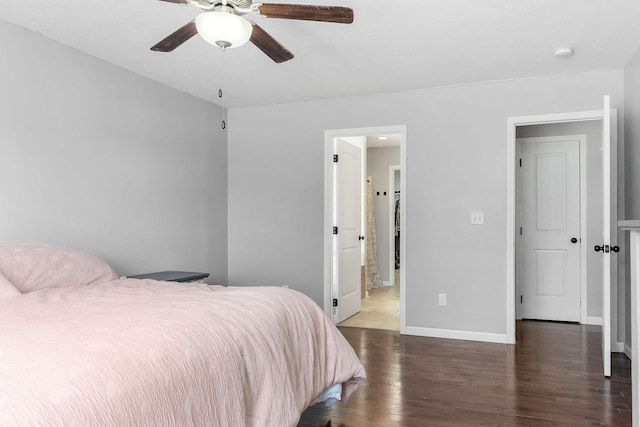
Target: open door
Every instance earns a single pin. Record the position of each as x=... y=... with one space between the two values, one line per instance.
x=347 y=238
x=607 y=247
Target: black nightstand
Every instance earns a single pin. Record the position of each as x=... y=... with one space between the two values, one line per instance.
x=172 y=276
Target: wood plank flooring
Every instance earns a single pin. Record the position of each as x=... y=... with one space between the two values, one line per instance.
x=551 y=377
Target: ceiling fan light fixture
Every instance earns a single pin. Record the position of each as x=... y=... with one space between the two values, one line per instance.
x=223 y=29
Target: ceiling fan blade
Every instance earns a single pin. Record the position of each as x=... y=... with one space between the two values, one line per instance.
x=337 y=14
x=176 y=38
x=177 y=1
x=270 y=46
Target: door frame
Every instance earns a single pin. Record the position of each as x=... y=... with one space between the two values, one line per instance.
x=512 y=124
x=582 y=164
x=329 y=190
x=392 y=234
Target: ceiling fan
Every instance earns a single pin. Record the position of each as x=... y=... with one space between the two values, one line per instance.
x=223 y=24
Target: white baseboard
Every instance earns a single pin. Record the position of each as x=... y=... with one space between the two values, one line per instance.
x=593 y=321
x=627 y=351
x=386 y=283
x=453 y=334
x=456 y=334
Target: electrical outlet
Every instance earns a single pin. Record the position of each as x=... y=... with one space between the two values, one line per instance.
x=442 y=300
x=477 y=218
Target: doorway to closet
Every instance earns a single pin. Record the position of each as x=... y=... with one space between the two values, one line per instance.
x=381 y=263
x=599 y=307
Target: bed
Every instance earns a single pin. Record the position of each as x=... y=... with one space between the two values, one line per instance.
x=81 y=347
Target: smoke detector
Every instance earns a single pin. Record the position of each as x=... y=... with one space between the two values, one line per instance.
x=563 y=52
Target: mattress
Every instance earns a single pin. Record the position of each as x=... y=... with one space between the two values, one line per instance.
x=148 y=353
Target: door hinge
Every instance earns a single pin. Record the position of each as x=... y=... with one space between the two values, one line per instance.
x=335 y=302
x=520 y=162
x=520 y=299
x=335 y=158
x=335 y=230
x=521 y=231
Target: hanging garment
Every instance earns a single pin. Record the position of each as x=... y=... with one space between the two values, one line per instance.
x=373 y=275
x=397 y=231
x=397 y=215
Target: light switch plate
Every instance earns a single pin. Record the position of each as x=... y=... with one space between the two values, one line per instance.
x=477 y=218
x=442 y=300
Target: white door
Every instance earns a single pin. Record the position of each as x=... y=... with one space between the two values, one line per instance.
x=606 y=237
x=548 y=229
x=348 y=178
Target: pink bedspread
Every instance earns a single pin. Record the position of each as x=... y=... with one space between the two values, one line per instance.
x=146 y=353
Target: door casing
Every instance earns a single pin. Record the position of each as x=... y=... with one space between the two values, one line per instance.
x=512 y=124
x=329 y=136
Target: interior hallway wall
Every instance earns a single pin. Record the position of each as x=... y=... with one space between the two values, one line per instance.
x=102 y=160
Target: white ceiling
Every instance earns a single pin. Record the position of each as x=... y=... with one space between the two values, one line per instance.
x=391 y=140
x=391 y=46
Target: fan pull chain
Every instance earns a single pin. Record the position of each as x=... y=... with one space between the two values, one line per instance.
x=224 y=122
x=224 y=110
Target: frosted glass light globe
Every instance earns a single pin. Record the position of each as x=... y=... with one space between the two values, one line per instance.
x=223 y=29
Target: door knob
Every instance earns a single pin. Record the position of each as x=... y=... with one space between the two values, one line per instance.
x=574 y=240
x=606 y=248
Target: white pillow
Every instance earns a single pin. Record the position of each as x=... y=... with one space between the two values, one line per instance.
x=6 y=287
x=34 y=266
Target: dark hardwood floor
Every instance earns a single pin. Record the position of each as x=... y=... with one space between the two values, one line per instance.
x=551 y=377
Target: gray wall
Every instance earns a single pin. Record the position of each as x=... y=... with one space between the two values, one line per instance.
x=632 y=135
x=632 y=154
x=103 y=160
x=456 y=162
x=378 y=161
